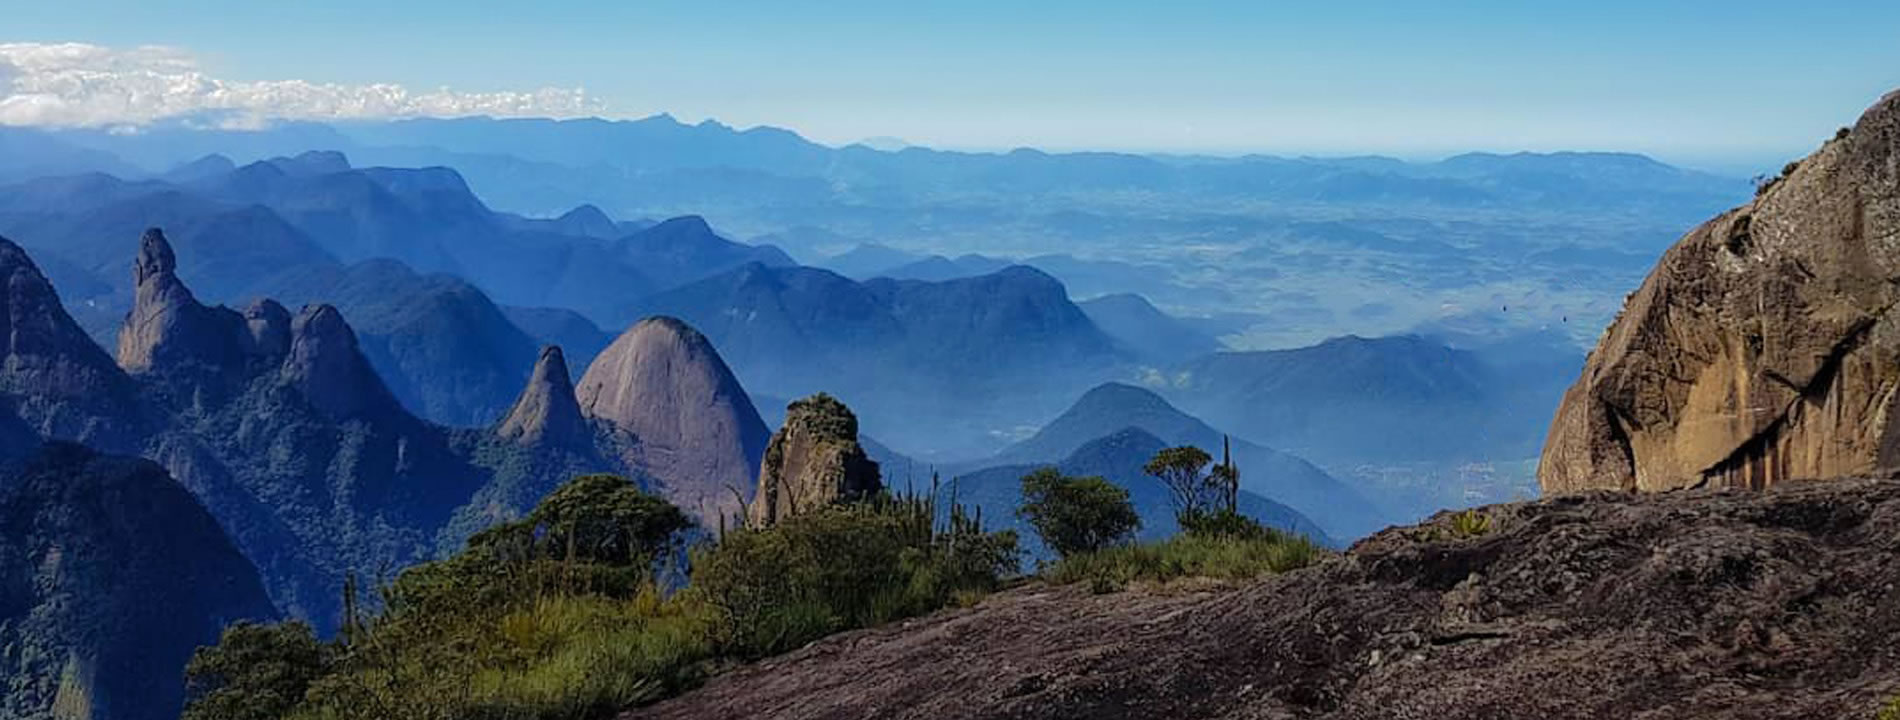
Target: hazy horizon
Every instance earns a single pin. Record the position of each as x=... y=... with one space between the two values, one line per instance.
x=1722 y=86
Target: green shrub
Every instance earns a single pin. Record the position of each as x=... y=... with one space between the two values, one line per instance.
x=1224 y=523
x=1470 y=524
x=559 y=615
x=255 y=672
x=1077 y=514
x=844 y=566
x=1224 y=557
x=1891 y=711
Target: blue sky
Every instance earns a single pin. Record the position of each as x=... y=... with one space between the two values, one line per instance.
x=1709 y=82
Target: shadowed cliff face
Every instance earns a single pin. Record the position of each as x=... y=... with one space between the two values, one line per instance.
x=111 y=574
x=1763 y=347
x=53 y=379
x=694 y=429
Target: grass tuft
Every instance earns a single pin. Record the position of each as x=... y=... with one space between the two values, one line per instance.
x=1184 y=556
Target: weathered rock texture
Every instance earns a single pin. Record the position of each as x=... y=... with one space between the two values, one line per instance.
x=1763 y=347
x=547 y=409
x=1682 y=606
x=692 y=427
x=814 y=460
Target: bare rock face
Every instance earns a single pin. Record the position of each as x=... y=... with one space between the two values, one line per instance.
x=166 y=324
x=693 y=428
x=547 y=410
x=1763 y=347
x=813 y=461
x=52 y=376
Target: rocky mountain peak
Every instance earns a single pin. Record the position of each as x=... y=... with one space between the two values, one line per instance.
x=814 y=460
x=325 y=364
x=268 y=323
x=165 y=322
x=59 y=383
x=698 y=434
x=155 y=257
x=1764 y=346
x=547 y=410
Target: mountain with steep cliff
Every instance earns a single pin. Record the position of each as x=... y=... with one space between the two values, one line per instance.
x=111 y=575
x=54 y=381
x=1762 y=347
x=687 y=421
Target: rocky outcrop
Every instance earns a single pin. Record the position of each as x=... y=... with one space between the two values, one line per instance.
x=110 y=576
x=547 y=410
x=54 y=380
x=167 y=326
x=689 y=423
x=1763 y=347
x=285 y=432
x=814 y=460
x=1689 y=606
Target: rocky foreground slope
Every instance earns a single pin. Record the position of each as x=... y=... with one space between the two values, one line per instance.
x=1697 y=604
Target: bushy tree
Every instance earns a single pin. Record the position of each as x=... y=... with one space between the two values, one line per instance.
x=1077 y=514
x=255 y=672
x=1182 y=470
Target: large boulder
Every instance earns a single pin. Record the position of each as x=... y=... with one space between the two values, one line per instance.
x=814 y=460
x=1763 y=347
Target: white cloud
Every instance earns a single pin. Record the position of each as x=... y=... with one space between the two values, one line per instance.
x=78 y=85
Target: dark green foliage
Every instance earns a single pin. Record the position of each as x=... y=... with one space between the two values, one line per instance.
x=604 y=519
x=1181 y=470
x=111 y=575
x=843 y=567
x=1224 y=523
x=557 y=615
x=1891 y=711
x=1076 y=515
x=255 y=672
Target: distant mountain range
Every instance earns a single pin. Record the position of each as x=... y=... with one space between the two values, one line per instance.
x=972 y=352
x=1108 y=408
x=1420 y=397
x=671 y=161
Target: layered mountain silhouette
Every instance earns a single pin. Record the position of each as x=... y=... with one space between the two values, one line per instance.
x=411 y=256
x=1147 y=331
x=1283 y=478
x=987 y=349
x=1422 y=399
x=111 y=575
x=280 y=424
